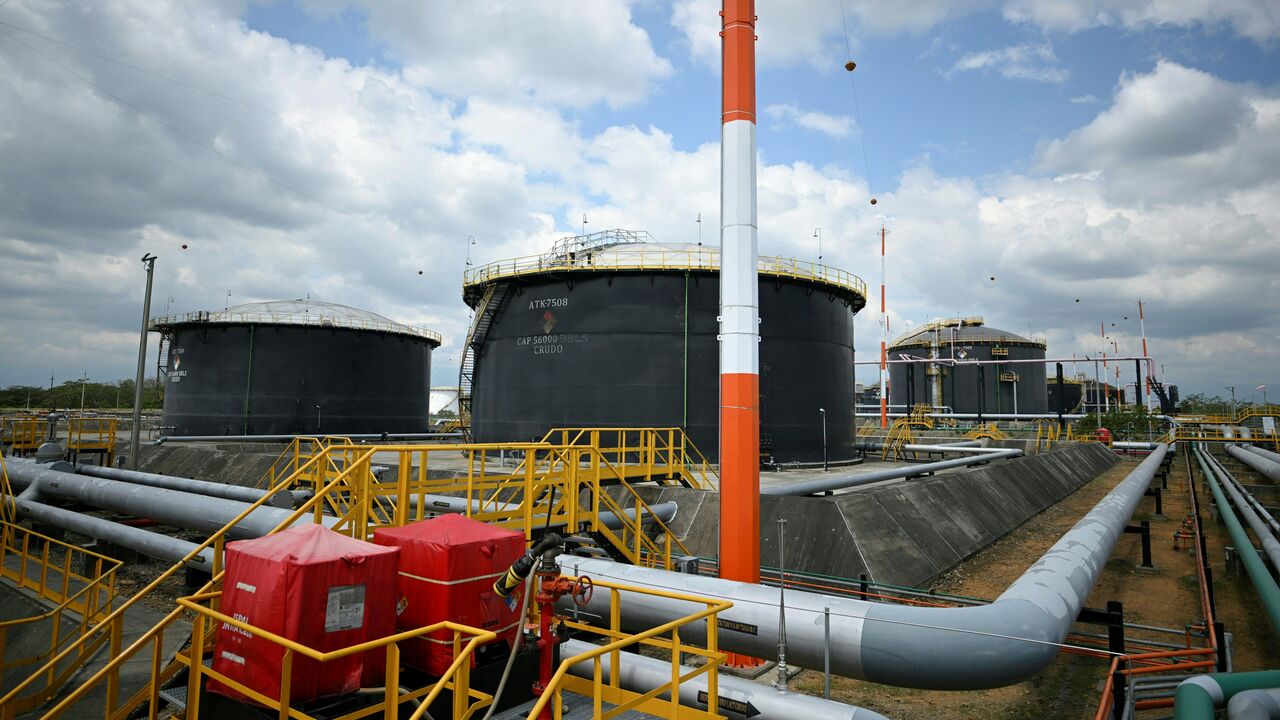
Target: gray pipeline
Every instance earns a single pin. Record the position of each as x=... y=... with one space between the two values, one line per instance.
x=1254 y=705
x=984 y=416
x=666 y=512
x=1248 y=511
x=1256 y=461
x=198 y=487
x=967 y=447
x=171 y=507
x=291 y=438
x=840 y=482
x=759 y=701
x=142 y=541
x=1273 y=457
x=1257 y=506
x=968 y=648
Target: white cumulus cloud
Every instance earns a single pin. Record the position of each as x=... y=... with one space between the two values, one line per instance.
x=1018 y=62
x=836 y=126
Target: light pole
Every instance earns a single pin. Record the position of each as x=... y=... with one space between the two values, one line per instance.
x=84 y=380
x=781 y=682
x=817 y=232
x=823 y=413
x=135 y=432
x=1232 y=388
x=317 y=419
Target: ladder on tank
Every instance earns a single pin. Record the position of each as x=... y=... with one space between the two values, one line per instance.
x=486 y=310
x=163 y=349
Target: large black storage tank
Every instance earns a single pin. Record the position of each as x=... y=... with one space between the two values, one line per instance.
x=1001 y=388
x=294 y=367
x=614 y=330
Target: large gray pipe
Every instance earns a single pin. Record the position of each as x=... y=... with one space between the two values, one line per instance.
x=968 y=648
x=1125 y=445
x=739 y=698
x=839 y=482
x=970 y=447
x=984 y=416
x=1257 y=506
x=1273 y=457
x=150 y=544
x=198 y=487
x=1246 y=510
x=1262 y=464
x=666 y=512
x=291 y=438
x=171 y=507
x=1254 y=705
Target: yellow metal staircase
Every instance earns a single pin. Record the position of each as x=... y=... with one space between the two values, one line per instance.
x=560 y=486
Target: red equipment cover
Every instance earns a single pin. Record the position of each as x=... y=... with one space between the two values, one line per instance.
x=313 y=586
x=447 y=568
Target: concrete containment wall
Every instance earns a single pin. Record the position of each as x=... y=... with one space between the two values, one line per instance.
x=232 y=464
x=905 y=533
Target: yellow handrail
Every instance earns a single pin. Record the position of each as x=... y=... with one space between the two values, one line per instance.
x=8 y=509
x=641 y=257
x=78 y=611
x=114 y=622
x=344 y=485
x=456 y=677
x=666 y=449
x=89 y=433
x=626 y=700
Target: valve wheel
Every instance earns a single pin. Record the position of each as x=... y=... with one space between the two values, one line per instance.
x=583 y=591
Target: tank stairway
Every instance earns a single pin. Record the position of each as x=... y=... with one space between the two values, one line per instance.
x=664 y=456
x=162 y=357
x=486 y=310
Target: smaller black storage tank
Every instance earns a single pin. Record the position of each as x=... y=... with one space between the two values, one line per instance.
x=293 y=367
x=1002 y=387
x=1072 y=394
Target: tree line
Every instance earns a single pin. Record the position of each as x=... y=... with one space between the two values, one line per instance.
x=67 y=396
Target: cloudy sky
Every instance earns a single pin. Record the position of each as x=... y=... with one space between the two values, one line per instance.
x=1084 y=153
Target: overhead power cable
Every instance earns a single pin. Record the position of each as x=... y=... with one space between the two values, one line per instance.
x=857 y=110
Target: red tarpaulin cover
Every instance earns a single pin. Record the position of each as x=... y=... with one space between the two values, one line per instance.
x=314 y=586
x=447 y=568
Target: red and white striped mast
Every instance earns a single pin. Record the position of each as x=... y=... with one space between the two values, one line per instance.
x=1102 y=332
x=884 y=341
x=1142 y=328
x=739 y=300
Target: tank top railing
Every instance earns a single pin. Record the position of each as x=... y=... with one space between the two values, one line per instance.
x=642 y=257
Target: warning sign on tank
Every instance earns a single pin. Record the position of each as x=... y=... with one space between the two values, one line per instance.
x=345 y=608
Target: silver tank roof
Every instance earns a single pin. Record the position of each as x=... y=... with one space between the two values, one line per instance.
x=310 y=313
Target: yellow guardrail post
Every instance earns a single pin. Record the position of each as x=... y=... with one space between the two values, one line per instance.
x=530 y=458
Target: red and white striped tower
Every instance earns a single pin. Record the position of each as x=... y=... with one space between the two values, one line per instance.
x=739 y=300
x=884 y=341
x=1102 y=333
x=1142 y=328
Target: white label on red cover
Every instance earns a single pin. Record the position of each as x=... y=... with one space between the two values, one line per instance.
x=345 y=608
x=246 y=587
